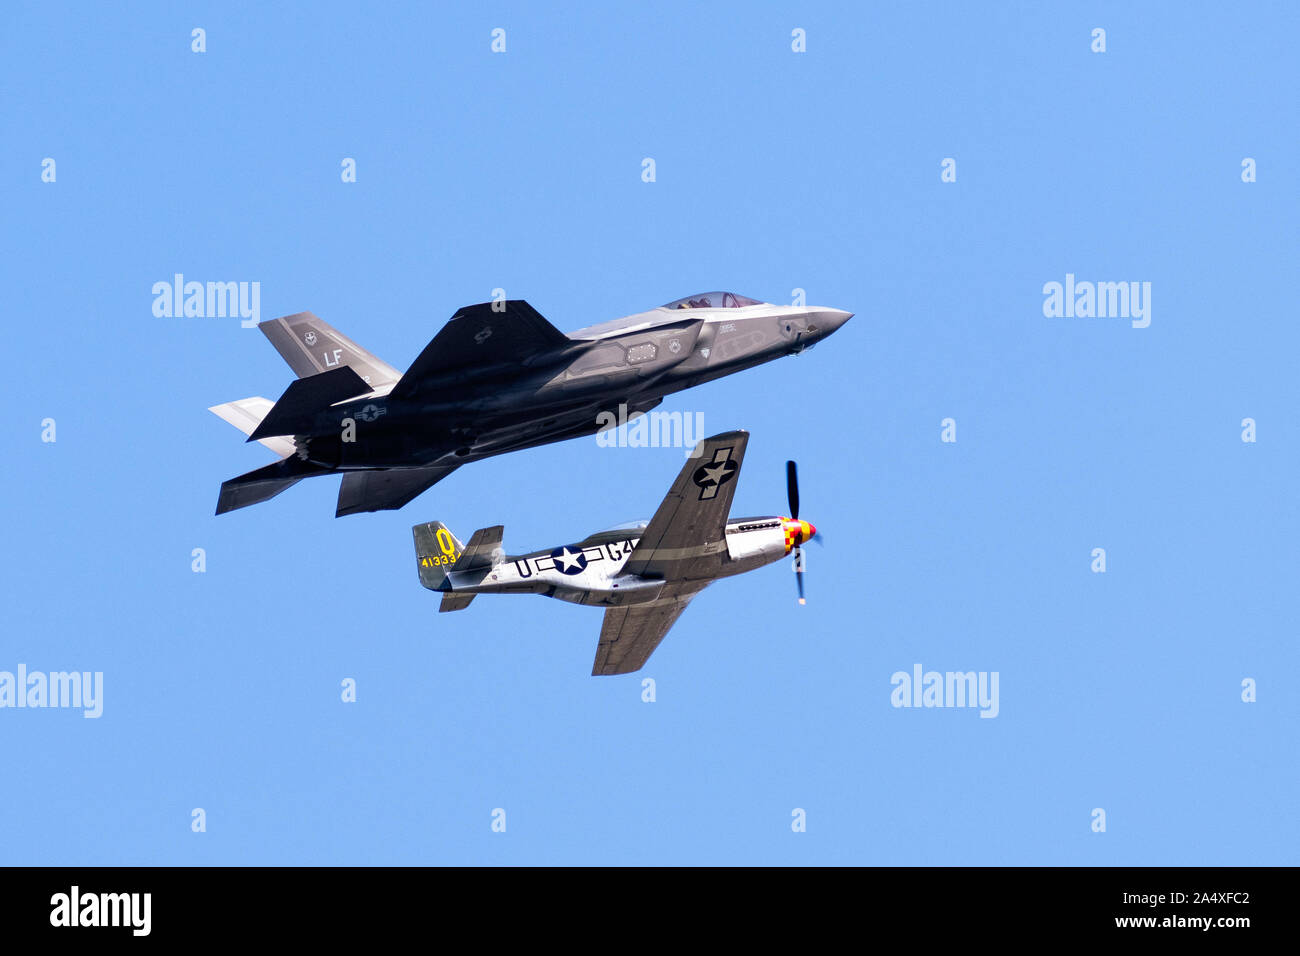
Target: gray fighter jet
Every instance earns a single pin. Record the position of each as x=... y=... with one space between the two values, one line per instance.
x=497 y=378
x=644 y=573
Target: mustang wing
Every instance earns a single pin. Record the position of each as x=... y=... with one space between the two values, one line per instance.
x=630 y=634
x=687 y=536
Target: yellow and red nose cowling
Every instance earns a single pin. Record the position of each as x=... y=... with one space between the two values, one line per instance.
x=797 y=533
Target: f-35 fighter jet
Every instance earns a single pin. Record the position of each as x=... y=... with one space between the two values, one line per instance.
x=497 y=378
x=645 y=573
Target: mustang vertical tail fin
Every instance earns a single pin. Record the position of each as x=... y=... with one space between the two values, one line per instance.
x=436 y=550
x=445 y=564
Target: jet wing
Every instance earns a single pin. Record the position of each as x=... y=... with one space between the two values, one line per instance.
x=479 y=335
x=687 y=535
x=631 y=633
x=386 y=490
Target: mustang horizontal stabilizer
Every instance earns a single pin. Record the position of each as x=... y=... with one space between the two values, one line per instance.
x=479 y=336
x=481 y=555
x=483 y=551
x=297 y=408
x=687 y=536
x=455 y=602
x=630 y=634
x=386 y=490
x=311 y=346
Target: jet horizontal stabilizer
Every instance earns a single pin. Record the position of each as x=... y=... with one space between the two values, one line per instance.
x=257 y=486
x=302 y=401
x=246 y=414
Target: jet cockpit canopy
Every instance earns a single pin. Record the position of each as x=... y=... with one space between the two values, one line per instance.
x=713 y=300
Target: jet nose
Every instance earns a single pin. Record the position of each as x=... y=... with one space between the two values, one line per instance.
x=829 y=320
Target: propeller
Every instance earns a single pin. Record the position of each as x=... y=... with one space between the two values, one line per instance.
x=792 y=492
x=792 y=488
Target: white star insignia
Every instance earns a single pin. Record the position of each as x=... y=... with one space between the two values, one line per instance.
x=569 y=560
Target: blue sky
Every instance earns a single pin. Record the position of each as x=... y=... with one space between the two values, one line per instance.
x=775 y=171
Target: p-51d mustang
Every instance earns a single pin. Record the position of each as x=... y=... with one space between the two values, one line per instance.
x=644 y=574
x=497 y=378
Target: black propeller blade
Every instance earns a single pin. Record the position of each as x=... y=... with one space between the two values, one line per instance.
x=792 y=488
